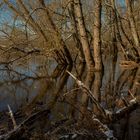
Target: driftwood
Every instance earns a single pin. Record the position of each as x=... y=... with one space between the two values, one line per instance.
x=124 y=111
x=22 y=129
x=105 y=130
x=82 y=85
x=131 y=105
x=19 y=131
x=109 y=116
x=12 y=117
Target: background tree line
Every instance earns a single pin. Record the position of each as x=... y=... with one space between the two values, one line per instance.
x=73 y=30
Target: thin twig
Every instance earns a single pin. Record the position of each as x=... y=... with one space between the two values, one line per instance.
x=12 y=117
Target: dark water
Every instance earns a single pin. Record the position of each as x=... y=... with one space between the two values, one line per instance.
x=40 y=82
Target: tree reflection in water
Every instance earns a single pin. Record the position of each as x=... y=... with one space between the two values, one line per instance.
x=71 y=107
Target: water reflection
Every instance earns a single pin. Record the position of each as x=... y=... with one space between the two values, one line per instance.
x=19 y=83
x=41 y=83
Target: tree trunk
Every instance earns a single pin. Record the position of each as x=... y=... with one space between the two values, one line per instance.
x=133 y=25
x=97 y=35
x=76 y=35
x=83 y=33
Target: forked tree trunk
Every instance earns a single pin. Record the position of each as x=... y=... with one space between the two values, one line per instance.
x=83 y=34
x=97 y=35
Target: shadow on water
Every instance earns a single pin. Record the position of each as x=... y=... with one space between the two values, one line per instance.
x=42 y=84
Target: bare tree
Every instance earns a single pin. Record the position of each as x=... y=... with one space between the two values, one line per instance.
x=97 y=35
x=83 y=34
x=26 y=15
x=57 y=34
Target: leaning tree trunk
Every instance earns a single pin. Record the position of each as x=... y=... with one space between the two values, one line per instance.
x=97 y=35
x=133 y=25
x=57 y=34
x=83 y=34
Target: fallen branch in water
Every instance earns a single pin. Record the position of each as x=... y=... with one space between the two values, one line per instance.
x=82 y=85
x=109 y=116
x=125 y=110
x=12 y=117
x=129 y=106
x=19 y=131
x=103 y=128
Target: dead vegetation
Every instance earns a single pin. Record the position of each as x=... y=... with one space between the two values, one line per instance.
x=75 y=34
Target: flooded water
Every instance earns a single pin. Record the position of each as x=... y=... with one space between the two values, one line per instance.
x=41 y=83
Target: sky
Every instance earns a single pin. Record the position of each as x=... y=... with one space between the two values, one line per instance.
x=6 y=15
